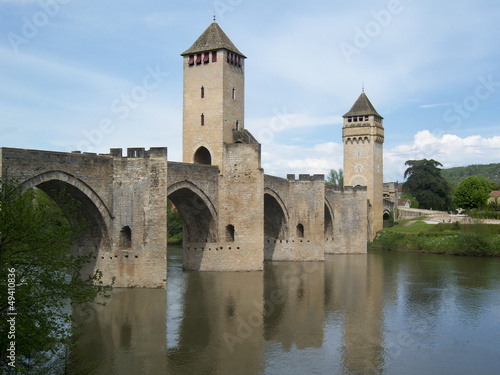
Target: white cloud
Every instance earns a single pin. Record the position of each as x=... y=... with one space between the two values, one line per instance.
x=280 y=160
x=449 y=149
x=435 y=105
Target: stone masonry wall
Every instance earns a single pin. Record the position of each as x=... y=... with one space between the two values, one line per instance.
x=304 y=238
x=239 y=242
x=140 y=192
x=350 y=219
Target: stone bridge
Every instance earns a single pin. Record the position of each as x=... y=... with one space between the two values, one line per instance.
x=121 y=200
x=232 y=220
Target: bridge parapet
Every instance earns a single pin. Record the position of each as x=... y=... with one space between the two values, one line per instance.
x=306 y=177
x=140 y=152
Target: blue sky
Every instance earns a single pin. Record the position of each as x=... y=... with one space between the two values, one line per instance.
x=431 y=68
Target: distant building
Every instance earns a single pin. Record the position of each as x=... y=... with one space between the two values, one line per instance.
x=494 y=196
x=405 y=202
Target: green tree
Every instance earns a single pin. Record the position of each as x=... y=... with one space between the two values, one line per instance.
x=495 y=186
x=39 y=277
x=174 y=224
x=335 y=178
x=473 y=192
x=425 y=182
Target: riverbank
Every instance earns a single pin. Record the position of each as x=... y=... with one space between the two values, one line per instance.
x=471 y=238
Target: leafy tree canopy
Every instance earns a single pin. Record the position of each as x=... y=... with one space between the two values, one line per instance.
x=174 y=224
x=473 y=192
x=40 y=278
x=425 y=182
x=335 y=178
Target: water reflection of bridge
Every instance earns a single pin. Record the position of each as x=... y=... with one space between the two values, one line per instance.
x=231 y=322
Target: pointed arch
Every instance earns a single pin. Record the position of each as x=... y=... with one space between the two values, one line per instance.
x=73 y=181
x=202 y=156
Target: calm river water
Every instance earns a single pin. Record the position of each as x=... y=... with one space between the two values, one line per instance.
x=381 y=313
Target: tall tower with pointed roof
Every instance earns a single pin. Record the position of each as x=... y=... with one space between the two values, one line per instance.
x=363 y=138
x=213 y=108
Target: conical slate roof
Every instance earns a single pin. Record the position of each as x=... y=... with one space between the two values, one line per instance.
x=212 y=38
x=362 y=107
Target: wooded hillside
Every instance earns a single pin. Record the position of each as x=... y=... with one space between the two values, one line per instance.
x=457 y=174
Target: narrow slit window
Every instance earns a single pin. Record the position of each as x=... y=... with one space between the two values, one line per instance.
x=202 y=92
x=202 y=119
x=234 y=93
x=237 y=125
x=230 y=233
x=300 y=231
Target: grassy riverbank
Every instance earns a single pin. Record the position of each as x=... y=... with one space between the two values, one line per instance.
x=416 y=235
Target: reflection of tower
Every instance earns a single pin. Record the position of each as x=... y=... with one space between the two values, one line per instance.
x=294 y=312
x=114 y=340
x=221 y=330
x=363 y=137
x=213 y=96
x=357 y=295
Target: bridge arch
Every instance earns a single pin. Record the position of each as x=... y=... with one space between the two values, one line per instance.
x=70 y=180
x=198 y=213
x=278 y=199
x=275 y=222
x=93 y=215
x=386 y=214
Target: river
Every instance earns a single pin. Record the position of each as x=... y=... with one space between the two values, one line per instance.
x=380 y=313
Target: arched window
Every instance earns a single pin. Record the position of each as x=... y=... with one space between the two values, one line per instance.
x=202 y=156
x=125 y=238
x=300 y=231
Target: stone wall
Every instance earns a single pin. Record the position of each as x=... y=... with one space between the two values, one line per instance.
x=139 y=233
x=301 y=202
x=122 y=203
x=238 y=243
x=350 y=220
x=221 y=110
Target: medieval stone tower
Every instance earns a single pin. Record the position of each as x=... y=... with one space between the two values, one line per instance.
x=213 y=112
x=363 y=137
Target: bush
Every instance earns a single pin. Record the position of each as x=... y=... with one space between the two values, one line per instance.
x=390 y=240
x=495 y=215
